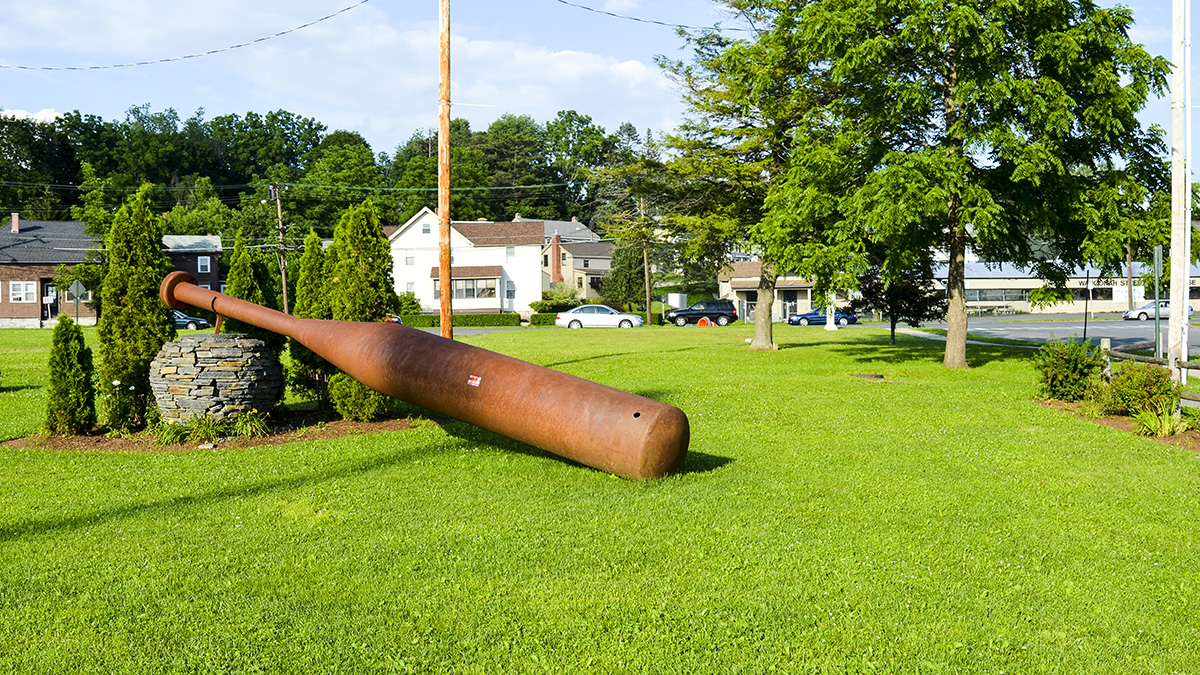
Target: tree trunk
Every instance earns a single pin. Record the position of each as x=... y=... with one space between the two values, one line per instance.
x=956 y=314
x=893 y=322
x=764 y=338
x=646 y=271
x=956 y=249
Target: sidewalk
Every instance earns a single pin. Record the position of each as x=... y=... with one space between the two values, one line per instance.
x=933 y=336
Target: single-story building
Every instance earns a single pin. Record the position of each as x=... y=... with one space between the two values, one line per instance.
x=32 y=250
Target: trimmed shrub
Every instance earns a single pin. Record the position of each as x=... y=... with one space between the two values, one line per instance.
x=552 y=306
x=1065 y=368
x=354 y=400
x=71 y=394
x=1142 y=387
x=543 y=319
x=466 y=320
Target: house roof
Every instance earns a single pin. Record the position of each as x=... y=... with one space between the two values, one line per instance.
x=743 y=276
x=186 y=243
x=590 y=249
x=741 y=269
x=469 y=272
x=46 y=242
x=567 y=230
x=501 y=234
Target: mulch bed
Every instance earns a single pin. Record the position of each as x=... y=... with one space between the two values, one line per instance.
x=1188 y=440
x=290 y=429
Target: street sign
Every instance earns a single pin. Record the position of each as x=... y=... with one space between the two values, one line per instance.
x=77 y=291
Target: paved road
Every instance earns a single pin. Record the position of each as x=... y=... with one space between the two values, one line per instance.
x=1042 y=327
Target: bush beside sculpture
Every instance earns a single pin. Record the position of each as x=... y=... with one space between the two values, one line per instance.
x=214 y=376
x=71 y=393
x=355 y=401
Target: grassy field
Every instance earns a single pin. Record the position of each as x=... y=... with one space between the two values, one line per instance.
x=931 y=522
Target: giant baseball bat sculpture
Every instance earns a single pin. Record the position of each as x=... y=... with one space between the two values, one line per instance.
x=591 y=423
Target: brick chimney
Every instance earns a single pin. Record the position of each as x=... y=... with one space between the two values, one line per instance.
x=556 y=275
x=16 y=223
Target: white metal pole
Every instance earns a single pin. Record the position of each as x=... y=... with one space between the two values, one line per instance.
x=1181 y=225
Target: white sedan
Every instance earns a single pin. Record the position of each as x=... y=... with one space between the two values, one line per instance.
x=1146 y=311
x=596 y=316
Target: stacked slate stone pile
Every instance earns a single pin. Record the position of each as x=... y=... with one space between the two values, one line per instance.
x=217 y=376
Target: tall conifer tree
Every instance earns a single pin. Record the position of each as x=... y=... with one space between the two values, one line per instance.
x=135 y=323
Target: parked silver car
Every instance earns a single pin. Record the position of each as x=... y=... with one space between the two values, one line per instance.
x=1146 y=311
x=596 y=316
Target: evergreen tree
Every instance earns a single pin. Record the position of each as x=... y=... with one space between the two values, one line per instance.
x=310 y=373
x=625 y=283
x=135 y=323
x=245 y=281
x=360 y=289
x=71 y=394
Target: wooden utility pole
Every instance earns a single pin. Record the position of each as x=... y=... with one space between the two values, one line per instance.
x=1181 y=201
x=444 y=281
x=275 y=191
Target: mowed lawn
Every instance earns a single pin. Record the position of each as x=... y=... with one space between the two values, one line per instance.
x=931 y=522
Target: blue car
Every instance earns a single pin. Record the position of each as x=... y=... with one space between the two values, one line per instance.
x=817 y=316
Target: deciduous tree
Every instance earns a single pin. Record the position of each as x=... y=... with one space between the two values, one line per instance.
x=984 y=125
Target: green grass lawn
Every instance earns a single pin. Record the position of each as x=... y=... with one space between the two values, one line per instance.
x=932 y=522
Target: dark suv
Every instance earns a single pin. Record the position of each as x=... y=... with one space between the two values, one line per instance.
x=720 y=312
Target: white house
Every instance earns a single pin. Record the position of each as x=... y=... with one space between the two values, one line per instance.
x=495 y=266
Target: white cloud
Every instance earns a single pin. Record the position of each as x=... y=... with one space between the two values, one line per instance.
x=45 y=115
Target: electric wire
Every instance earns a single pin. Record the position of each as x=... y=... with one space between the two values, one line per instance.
x=191 y=56
x=651 y=21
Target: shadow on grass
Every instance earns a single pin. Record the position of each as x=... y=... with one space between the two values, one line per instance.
x=48 y=525
x=694 y=462
x=876 y=349
x=608 y=356
x=19 y=387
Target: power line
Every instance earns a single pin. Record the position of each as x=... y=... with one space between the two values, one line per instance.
x=192 y=56
x=650 y=21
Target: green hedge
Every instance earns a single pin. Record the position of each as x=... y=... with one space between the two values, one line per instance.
x=464 y=320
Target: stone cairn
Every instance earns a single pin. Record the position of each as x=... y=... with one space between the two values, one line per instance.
x=217 y=376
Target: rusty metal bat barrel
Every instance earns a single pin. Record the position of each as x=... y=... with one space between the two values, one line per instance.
x=593 y=424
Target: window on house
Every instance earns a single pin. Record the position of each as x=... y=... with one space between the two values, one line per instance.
x=223 y=285
x=207 y=287
x=585 y=262
x=545 y=261
x=467 y=289
x=564 y=258
x=424 y=228
x=579 y=282
x=410 y=260
x=202 y=264
x=510 y=251
x=410 y=287
x=22 y=291
x=510 y=290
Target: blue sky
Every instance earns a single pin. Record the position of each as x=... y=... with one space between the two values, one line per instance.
x=372 y=69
